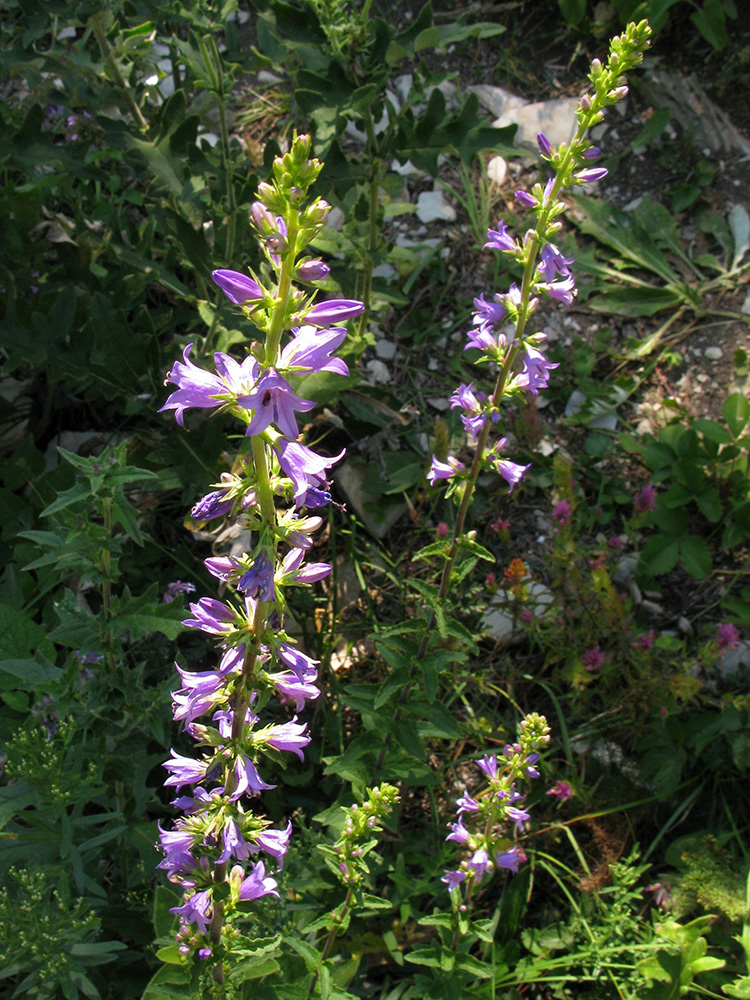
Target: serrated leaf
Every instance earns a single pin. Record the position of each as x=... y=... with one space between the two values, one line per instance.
x=696 y=556
x=736 y=411
x=659 y=555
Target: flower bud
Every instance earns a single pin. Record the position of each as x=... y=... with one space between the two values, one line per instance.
x=312 y=270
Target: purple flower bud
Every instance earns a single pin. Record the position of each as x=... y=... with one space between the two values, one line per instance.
x=334 y=311
x=237 y=287
x=526 y=199
x=592 y=174
x=592 y=153
x=545 y=147
x=313 y=270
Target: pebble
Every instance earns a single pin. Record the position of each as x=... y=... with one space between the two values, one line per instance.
x=714 y=353
x=377 y=373
x=432 y=206
x=745 y=308
x=497 y=169
x=438 y=404
x=385 y=350
x=555 y=118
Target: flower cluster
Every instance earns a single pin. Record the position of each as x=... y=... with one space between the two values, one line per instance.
x=499 y=324
x=213 y=850
x=489 y=821
x=346 y=858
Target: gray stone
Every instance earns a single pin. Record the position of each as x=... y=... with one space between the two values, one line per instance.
x=385 y=350
x=432 y=206
x=497 y=620
x=497 y=101
x=556 y=118
x=497 y=169
x=376 y=373
x=714 y=353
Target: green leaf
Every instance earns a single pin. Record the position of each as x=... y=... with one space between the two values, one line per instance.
x=438 y=36
x=659 y=555
x=652 y=129
x=736 y=410
x=370 y=902
x=713 y=431
x=28 y=675
x=573 y=11
x=710 y=505
x=164 y=920
x=20 y=637
x=712 y=24
x=636 y=301
x=696 y=556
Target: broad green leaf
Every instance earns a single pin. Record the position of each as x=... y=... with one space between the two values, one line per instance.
x=696 y=556
x=659 y=555
x=736 y=410
x=712 y=24
x=652 y=129
x=28 y=675
x=636 y=301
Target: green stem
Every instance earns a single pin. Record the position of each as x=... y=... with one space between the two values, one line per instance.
x=332 y=937
x=114 y=70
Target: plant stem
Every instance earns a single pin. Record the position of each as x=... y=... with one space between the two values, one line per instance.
x=114 y=69
x=332 y=937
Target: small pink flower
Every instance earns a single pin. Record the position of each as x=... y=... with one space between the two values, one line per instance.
x=561 y=790
x=645 y=499
x=645 y=641
x=442 y=530
x=500 y=525
x=490 y=582
x=615 y=543
x=527 y=617
x=727 y=637
x=592 y=659
x=561 y=513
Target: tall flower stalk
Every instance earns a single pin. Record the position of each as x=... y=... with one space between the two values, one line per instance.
x=499 y=326
x=211 y=851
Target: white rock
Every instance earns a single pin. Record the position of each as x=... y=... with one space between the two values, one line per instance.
x=497 y=169
x=376 y=373
x=385 y=350
x=335 y=219
x=746 y=305
x=431 y=206
x=402 y=85
x=439 y=404
x=386 y=271
x=555 y=118
x=432 y=365
x=406 y=169
x=714 y=353
x=69 y=32
x=210 y=139
x=240 y=16
x=497 y=101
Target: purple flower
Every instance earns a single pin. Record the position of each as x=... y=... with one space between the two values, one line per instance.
x=553 y=262
x=214 y=504
x=258 y=580
x=453 y=879
x=592 y=153
x=301 y=664
x=334 y=311
x=206 y=390
x=444 y=470
x=536 y=369
x=196 y=909
x=312 y=270
x=258 y=884
x=459 y=833
x=561 y=790
x=645 y=499
x=511 y=859
x=274 y=842
x=561 y=291
x=645 y=641
x=273 y=401
x=486 y=314
x=526 y=199
x=727 y=637
x=302 y=466
x=561 y=513
x=466 y=804
x=211 y=616
x=500 y=239
x=291 y=687
x=237 y=287
x=519 y=816
x=184 y=770
x=591 y=174
x=175 y=588
x=511 y=472
x=474 y=404
x=488 y=766
x=545 y=147
x=480 y=864
x=249 y=782
x=311 y=349
x=592 y=659
x=289 y=736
